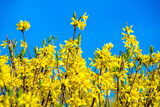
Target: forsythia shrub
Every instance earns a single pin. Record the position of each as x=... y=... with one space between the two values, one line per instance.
x=62 y=78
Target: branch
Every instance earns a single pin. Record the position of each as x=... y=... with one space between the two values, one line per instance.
x=74 y=32
x=93 y=102
x=27 y=46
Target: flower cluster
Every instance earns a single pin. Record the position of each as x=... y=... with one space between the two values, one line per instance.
x=61 y=78
x=78 y=22
x=23 y=44
x=23 y=26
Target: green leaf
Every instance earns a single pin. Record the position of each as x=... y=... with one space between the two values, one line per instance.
x=23 y=52
x=74 y=14
x=19 y=92
x=79 y=39
x=151 y=49
x=49 y=40
x=36 y=50
x=9 y=92
x=55 y=39
x=44 y=42
x=60 y=105
x=40 y=81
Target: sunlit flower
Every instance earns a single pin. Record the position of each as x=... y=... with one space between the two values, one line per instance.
x=23 y=26
x=4 y=44
x=23 y=44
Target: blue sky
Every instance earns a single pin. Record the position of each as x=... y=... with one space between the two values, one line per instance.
x=104 y=24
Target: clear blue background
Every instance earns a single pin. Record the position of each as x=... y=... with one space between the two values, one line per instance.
x=104 y=24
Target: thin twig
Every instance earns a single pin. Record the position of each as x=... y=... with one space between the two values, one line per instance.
x=108 y=99
x=74 y=32
x=12 y=58
x=146 y=67
x=27 y=46
x=62 y=85
x=117 y=91
x=133 y=83
x=47 y=98
x=134 y=80
x=93 y=102
x=99 y=95
x=153 y=76
x=3 y=91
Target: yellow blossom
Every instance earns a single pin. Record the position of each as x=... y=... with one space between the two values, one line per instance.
x=28 y=100
x=84 y=17
x=23 y=25
x=4 y=44
x=75 y=22
x=81 y=25
x=23 y=44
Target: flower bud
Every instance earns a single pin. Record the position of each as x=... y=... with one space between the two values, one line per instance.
x=40 y=81
x=79 y=38
x=151 y=49
x=44 y=42
x=36 y=50
x=74 y=14
x=23 y=52
x=49 y=40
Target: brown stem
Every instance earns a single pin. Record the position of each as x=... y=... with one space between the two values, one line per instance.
x=130 y=72
x=24 y=78
x=10 y=46
x=36 y=75
x=93 y=102
x=47 y=98
x=27 y=46
x=67 y=62
x=53 y=77
x=153 y=72
x=43 y=101
x=62 y=87
x=24 y=83
x=35 y=78
x=77 y=51
x=49 y=92
x=117 y=91
x=150 y=91
x=95 y=69
x=146 y=73
x=133 y=84
x=14 y=88
x=99 y=84
x=146 y=67
x=59 y=73
x=12 y=59
x=3 y=91
x=74 y=32
x=99 y=95
x=133 y=81
x=108 y=99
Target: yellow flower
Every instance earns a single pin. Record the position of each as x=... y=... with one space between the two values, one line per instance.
x=81 y=25
x=23 y=26
x=23 y=44
x=4 y=44
x=5 y=101
x=75 y=22
x=28 y=100
x=84 y=17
